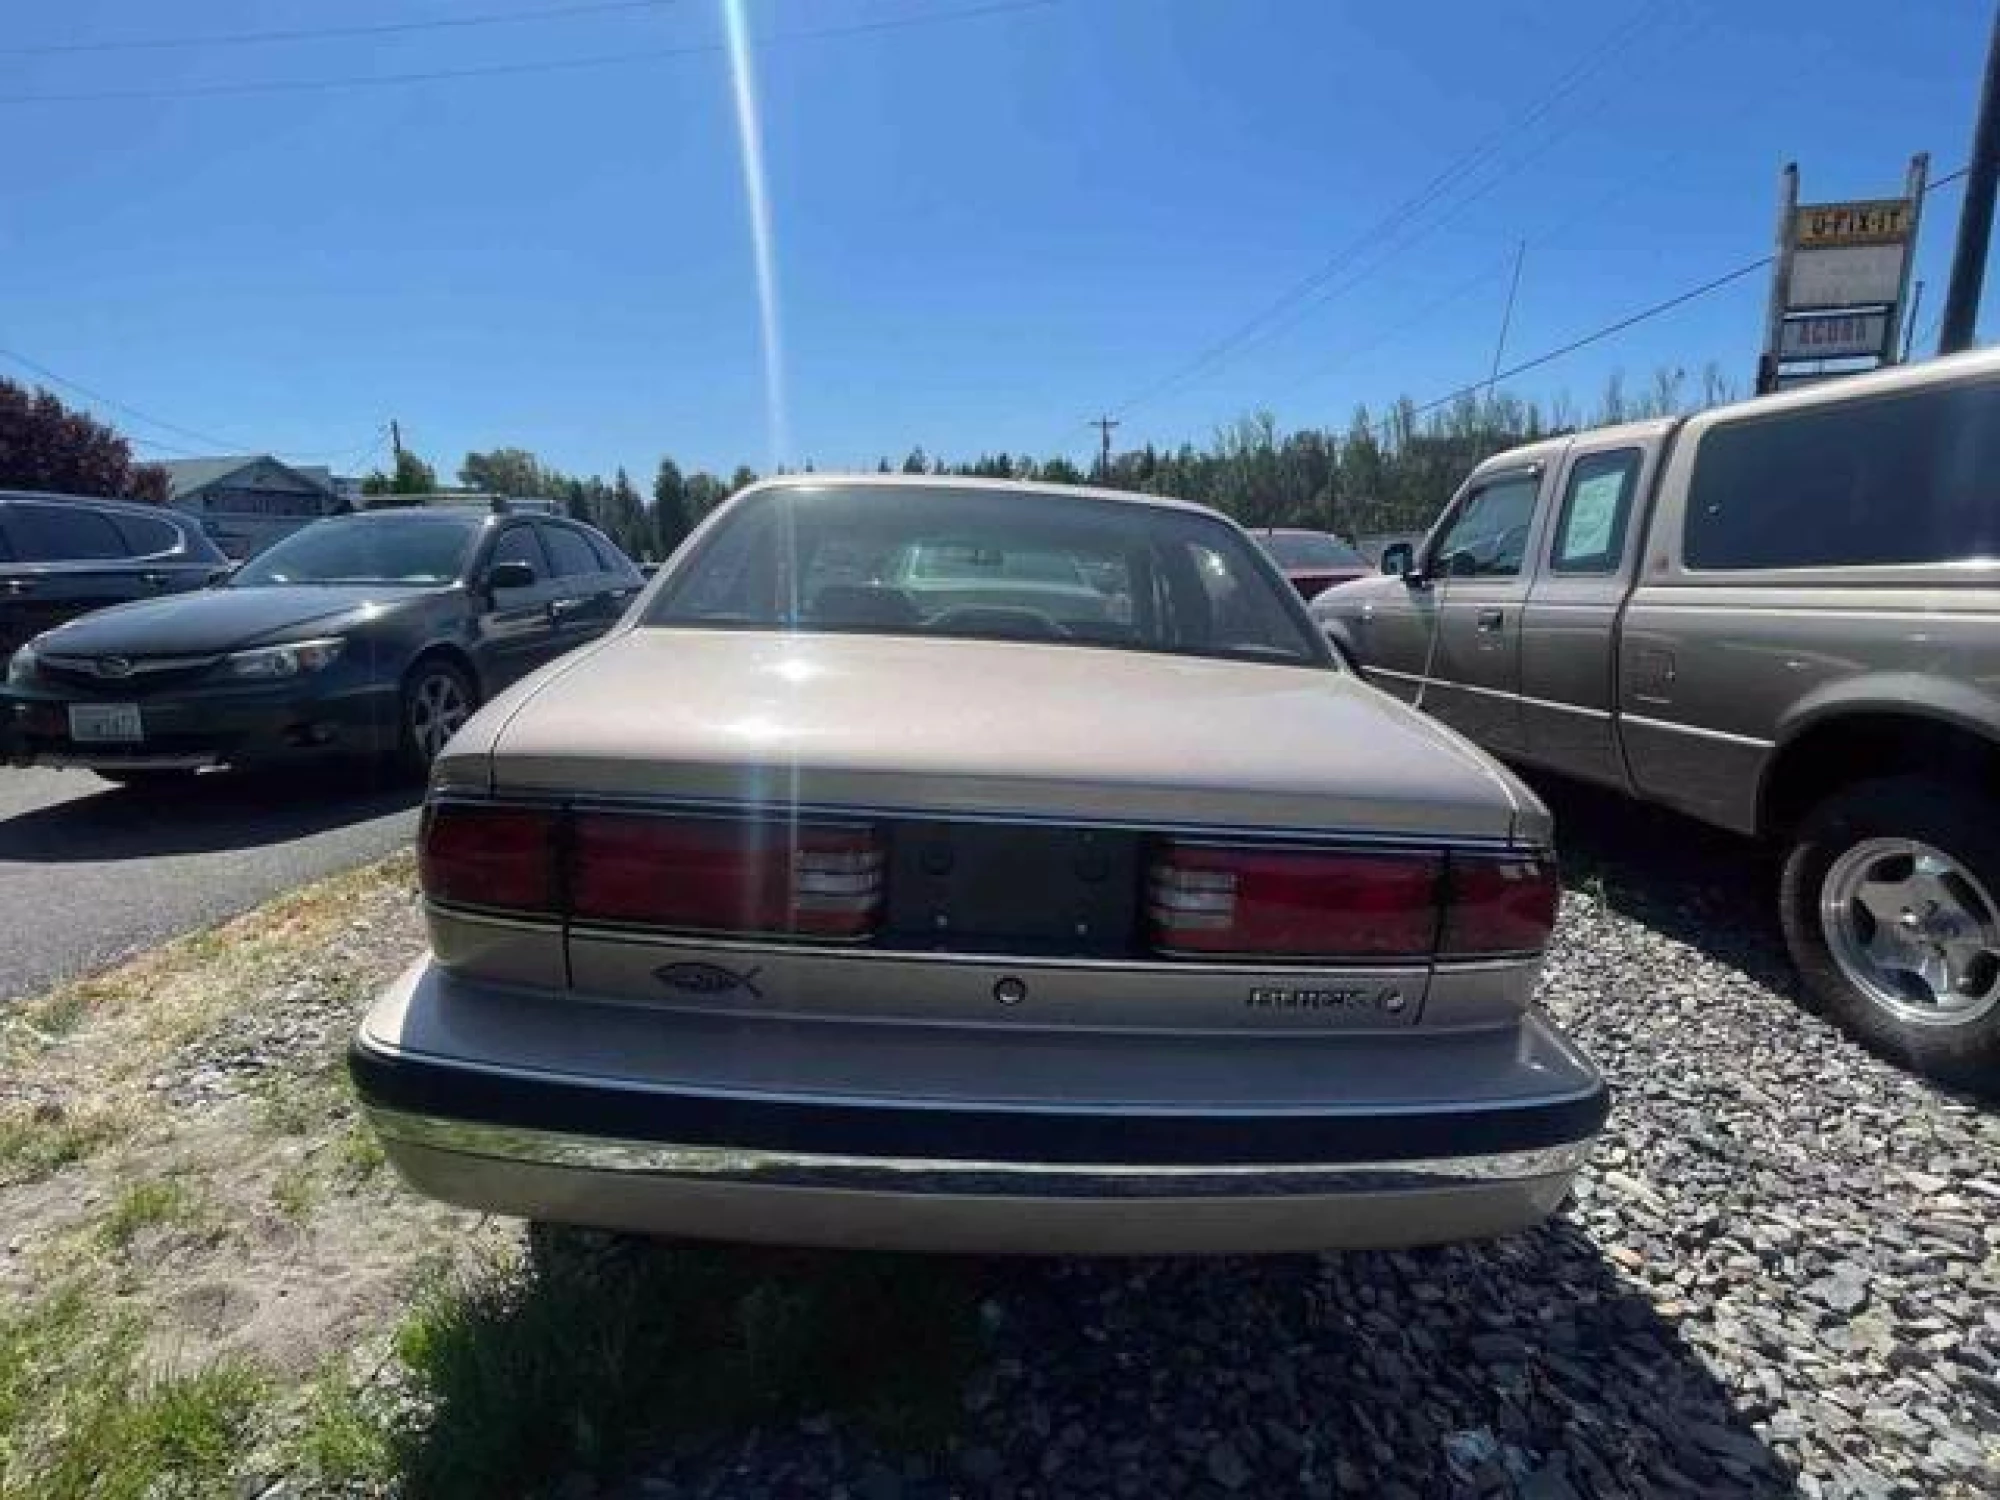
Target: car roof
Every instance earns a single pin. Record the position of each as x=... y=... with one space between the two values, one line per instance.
x=99 y=502
x=966 y=482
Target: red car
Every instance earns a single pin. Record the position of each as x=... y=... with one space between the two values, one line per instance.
x=1313 y=560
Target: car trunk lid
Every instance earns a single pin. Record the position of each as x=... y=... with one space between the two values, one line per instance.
x=1023 y=732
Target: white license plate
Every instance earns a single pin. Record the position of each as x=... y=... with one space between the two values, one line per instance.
x=105 y=724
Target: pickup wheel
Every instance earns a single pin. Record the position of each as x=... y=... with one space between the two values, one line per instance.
x=1890 y=899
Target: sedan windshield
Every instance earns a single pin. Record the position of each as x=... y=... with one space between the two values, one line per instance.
x=427 y=550
x=1311 y=549
x=970 y=563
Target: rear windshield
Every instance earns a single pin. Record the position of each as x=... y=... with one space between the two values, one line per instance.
x=428 y=551
x=1899 y=479
x=991 y=566
x=1311 y=549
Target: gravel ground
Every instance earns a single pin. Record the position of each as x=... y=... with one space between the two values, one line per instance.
x=1781 y=1275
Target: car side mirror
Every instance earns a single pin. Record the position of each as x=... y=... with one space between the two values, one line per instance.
x=219 y=577
x=510 y=575
x=1399 y=560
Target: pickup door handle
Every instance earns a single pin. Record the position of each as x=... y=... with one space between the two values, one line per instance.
x=156 y=579
x=562 y=607
x=17 y=585
x=1491 y=620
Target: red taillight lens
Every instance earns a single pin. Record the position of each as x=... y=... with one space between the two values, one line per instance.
x=1293 y=902
x=502 y=857
x=1499 y=904
x=718 y=875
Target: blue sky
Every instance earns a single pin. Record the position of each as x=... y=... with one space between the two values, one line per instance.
x=987 y=227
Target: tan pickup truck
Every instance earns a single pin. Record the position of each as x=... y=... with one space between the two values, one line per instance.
x=1781 y=617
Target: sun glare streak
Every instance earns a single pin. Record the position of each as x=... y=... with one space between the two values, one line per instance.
x=750 y=138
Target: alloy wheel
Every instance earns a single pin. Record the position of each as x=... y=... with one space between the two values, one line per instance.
x=1914 y=931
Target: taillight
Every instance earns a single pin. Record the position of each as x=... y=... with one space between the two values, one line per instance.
x=725 y=875
x=503 y=857
x=1204 y=898
x=1498 y=904
x=1306 y=903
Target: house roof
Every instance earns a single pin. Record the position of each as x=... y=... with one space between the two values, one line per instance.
x=186 y=475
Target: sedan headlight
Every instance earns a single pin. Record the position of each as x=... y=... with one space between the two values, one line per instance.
x=21 y=667
x=295 y=660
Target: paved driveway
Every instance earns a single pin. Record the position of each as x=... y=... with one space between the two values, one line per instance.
x=89 y=871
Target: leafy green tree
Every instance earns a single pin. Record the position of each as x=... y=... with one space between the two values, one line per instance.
x=411 y=476
x=505 y=471
x=623 y=516
x=704 y=493
x=672 y=519
x=742 y=479
x=45 y=445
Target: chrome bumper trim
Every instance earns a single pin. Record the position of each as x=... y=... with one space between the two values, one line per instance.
x=70 y=761
x=945 y=1176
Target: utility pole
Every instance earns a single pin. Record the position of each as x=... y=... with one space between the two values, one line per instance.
x=1975 y=217
x=1104 y=426
x=1910 y=328
x=396 y=441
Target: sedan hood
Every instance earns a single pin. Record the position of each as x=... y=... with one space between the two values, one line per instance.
x=216 y=620
x=978 y=727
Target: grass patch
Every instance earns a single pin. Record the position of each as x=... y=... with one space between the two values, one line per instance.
x=587 y=1355
x=358 y=1154
x=46 y=1138
x=290 y=1106
x=80 y=1420
x=145 y=1205
x=343 y=1440
x=296 y=1192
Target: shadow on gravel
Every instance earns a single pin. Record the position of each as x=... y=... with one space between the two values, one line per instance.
x=1520 y=1368
x=214 y=811
x=1695 y=884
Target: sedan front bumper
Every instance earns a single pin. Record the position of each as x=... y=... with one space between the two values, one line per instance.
x=203 y=726
x=625 y=1117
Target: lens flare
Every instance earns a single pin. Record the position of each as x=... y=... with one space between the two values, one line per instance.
x=750 y=138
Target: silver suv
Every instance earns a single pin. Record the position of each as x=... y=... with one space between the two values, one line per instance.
x=1781 y=617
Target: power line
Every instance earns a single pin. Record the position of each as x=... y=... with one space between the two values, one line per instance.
x=1594 y=337
x=1609 y=329
x=209 y=440
x=317 y=33
x=512 y=70
x=1410 y=209
x=227 y=445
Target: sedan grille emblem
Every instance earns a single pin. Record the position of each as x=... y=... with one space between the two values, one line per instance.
x=114 y=666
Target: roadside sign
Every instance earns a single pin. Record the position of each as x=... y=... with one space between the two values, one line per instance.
x=1872 y=221
x=1845 y=276
x=1844 y=335
x=1843 y=272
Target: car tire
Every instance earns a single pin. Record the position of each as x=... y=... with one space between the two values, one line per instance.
x=145 y=779
x=438 y=696
x=1890 y=900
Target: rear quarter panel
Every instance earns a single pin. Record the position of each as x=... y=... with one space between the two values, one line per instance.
x=1718 y=669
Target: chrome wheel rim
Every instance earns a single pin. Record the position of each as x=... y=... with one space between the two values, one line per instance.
x=1914 y=931
x=438 y=706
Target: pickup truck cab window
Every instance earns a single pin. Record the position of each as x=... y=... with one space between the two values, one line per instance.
x=1597 y=505
x=1488 y=538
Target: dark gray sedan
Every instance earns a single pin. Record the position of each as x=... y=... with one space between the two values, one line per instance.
x=371 y=635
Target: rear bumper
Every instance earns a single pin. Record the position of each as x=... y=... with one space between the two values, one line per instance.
x=936 y=1170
